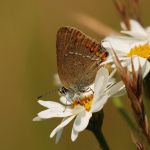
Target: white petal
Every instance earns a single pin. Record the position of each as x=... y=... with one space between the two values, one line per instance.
x=37 y=119
x=61 y=125
x=100 y=82
x=98 y=105
x=74 y=135
x=81 y=121
x=59 y=133
x=124 y=62
x=78 y=109
x=139 y=43
x=120 y=44
x=136 y=31
x=121 y=92
x=146 y=68
x=136 y=63
x=148 y=30
x=148 y=33
x=53 y=112
x=111 y=81
x=115 y=89
x=123 y=26
x=51 y=104
x=111 y=75
x=143 y=62
x=64 y=101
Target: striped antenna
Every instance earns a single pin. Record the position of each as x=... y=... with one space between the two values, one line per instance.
x=50 y=92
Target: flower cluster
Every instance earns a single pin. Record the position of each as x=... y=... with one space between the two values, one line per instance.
x=132 y=48
x=81 y=109
x=129 y=54
x=134 y=43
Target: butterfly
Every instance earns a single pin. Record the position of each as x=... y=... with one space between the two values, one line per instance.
x=78 y=59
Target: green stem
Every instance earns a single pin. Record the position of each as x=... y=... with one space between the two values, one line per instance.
x=95 y=125
x=120 y=107
x=101 y=139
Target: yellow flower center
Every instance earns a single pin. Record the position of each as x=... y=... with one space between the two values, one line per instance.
x=141 y=50
x=85 y=102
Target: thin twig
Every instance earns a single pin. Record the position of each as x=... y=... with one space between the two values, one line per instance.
x=128 y=9
x=96 y=26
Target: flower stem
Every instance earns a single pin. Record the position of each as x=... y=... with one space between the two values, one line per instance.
x=101 y=140
x=95 y=125
x=122 y=110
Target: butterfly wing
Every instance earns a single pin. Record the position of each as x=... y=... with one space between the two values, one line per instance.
x=77 y=57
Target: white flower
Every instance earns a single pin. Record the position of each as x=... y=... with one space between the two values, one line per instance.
x=135 y=45
x=82 y=108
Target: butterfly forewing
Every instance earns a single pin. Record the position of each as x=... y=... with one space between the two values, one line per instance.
x=77 y=58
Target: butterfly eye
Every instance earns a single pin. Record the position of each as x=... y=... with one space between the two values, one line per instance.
x=63 y=91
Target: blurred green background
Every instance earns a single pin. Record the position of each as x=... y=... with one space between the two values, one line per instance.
x=27 y=65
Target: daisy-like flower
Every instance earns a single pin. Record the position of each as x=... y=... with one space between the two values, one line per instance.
x=135 y=43
x=80 y=109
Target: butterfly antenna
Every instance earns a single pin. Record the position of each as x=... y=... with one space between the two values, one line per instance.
x=50 y=92
x=65 y=106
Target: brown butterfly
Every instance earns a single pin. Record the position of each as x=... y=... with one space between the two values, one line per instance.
x=78 y=59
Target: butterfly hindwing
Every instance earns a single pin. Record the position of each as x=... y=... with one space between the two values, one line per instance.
x=76 y=57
